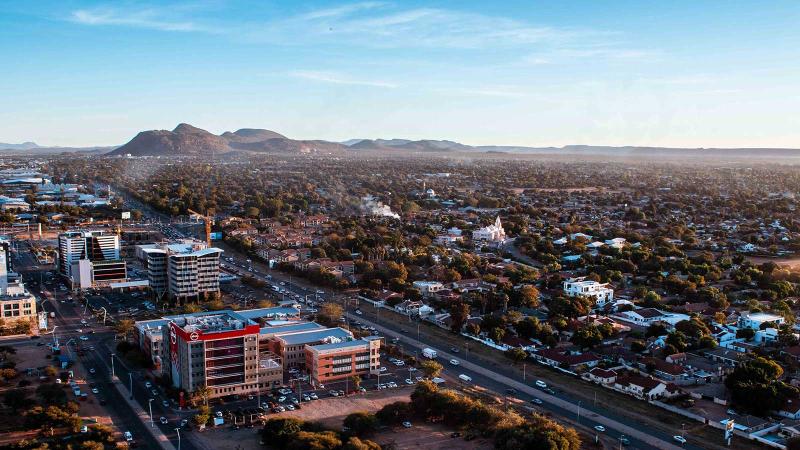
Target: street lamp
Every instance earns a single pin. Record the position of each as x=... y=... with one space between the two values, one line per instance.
x=150 y=405
x=579 y=411
x=178 y=430
x=130 y=375
x=112 y=366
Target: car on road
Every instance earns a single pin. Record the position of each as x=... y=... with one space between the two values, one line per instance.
x=184 y=422
x=454 y=362
x=406 y=424
x=95 y=391
x=92 y=371
x=358 y=311
x=163 y=420
x=84 y=338
x=165 y=403
x=624 y=441
x=148 y=384
x=154 y=392
x=453 y=350
x=541 y=384
x=679 y=438
x=383 y=369
x=537 y=401
x=600 y=428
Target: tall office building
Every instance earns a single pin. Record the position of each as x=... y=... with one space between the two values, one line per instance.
x=218 y=350
x=184 y=270
x=90 y=258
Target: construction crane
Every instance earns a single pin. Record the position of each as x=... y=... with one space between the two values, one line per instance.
x=207 y=221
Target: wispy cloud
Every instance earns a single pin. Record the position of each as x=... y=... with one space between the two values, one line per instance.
x=381 y=25
x=335 y=78
x=150 y=18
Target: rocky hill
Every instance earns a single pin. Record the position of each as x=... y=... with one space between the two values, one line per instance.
x=188 y=140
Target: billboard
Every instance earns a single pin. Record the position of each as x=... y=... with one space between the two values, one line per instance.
x=216 y=236
x=42 y=320
x=126 y=215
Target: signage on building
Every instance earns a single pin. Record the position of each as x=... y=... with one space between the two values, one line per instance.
x=126 y=215
x=216 y=236
x=194 y=336
x=42 y=320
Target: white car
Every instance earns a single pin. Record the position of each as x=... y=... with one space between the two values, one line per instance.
x=84 y=429
x=680 y=439
x=541 y=384
x=163 y=420
x=218 y=414
x=409 y=381
x=128 y=436
x=148 y=384
x=95 y=391
x=383 y=369
x=454 y=362
x=407 y=424
x=84 y=338
x=600 y=428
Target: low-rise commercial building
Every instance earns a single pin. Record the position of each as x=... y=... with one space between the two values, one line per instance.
x=341 y=360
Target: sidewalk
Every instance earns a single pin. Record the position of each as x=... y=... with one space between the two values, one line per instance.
x=625 y=429
x=143 y=416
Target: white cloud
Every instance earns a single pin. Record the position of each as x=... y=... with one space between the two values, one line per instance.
x=334 y=78
x=144 y=18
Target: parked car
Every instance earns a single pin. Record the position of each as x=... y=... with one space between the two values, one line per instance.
x=163 y=420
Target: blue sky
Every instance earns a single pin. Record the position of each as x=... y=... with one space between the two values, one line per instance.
x=673 y=73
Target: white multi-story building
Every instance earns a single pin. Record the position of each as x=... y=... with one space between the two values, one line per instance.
x=599 y=292
x=493 y=233
x=90 y=258
x=184 y=270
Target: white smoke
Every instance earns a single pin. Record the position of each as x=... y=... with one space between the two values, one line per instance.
x=376 y=208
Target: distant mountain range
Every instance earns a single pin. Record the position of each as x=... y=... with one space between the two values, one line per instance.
x=186 y=139
x=32 y=148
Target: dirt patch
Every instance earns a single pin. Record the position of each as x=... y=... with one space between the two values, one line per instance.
x=332 y=411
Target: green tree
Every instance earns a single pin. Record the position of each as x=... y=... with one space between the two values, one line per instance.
x=361 y=423
x=459 y=313
x=279 y=431
x=588 y=336
x=355 y=443
x=516 y=354
x=16 y=399
x=431 y=368
x=759 y=378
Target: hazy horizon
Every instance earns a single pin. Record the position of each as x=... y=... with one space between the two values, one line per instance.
x=677 y=74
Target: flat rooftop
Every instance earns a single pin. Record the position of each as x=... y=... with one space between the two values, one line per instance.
x=293 y=328
x=339 y=345
x=209 y=322
x=330 y=334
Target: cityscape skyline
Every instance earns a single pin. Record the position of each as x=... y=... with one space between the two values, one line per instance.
x=683 y=74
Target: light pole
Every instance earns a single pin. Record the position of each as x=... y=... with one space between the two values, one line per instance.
x=178 y=430
x=130 y=375
x=150 y=405
x=112 y=366
x=579 y=411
